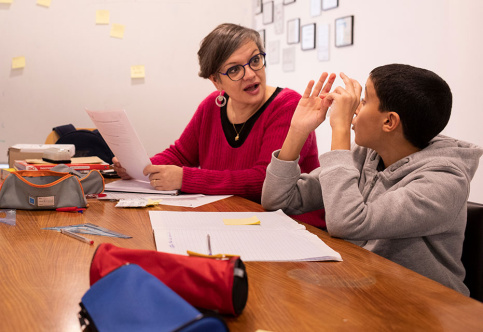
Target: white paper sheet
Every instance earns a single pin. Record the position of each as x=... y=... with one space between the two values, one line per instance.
x=136 y=186
x=119 y=134
x=277 y=238
x=184 y=200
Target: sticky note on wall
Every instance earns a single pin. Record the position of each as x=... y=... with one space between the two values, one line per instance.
x=102 y=17
x=18 y=62
x=44 y=3
x=117 y=31
x=137 y=72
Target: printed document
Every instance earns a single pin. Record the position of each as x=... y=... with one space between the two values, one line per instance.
x=136 y=186
x=119 y=134
x=277 y=238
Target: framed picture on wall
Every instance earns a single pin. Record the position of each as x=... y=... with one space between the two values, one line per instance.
x=344 y=31
x=286 y=2
x=268 y=12
x=329 y=4
x=293 y=31
x=262 y=36
x=258 y=6
x=308 y=36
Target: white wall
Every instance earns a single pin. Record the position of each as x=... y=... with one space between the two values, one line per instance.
x=72 y=63
x=440 y=35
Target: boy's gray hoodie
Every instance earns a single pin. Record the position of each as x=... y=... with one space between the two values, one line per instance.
x=413 y=212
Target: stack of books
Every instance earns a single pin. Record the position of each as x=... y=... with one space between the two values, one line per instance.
x=77 y=163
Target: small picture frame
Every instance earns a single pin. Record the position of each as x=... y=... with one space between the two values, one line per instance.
x=288 y=2
x=344 y=31
x=329 y=4
x=258 y=6
x=262 y=36
x=268 y=12
x=308 y=36
x=293 y=31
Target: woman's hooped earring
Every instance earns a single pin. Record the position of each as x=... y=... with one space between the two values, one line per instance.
x=220 y=101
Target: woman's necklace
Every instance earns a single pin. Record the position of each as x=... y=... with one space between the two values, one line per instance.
x=237 y=137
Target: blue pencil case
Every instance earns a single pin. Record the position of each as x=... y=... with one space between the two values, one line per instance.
x=131 y=299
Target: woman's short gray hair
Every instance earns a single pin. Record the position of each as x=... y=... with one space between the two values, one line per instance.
x=220 y=44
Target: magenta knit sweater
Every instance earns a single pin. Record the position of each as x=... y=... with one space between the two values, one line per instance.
x=212 y=167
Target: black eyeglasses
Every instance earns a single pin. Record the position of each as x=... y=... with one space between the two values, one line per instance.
x=237 y=72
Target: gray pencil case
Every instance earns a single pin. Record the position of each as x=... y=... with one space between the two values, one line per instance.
x=47 y=189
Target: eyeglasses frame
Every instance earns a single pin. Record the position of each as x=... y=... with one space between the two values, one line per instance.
x=243 y=66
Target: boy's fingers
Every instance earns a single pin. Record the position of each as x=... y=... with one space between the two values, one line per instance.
x=357 y=87
x=329 y=83
x=349 y=85
x=308 y=89
x=320 y=83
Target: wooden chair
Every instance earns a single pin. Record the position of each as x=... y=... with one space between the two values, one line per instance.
x=53 y=137
x=472 y=257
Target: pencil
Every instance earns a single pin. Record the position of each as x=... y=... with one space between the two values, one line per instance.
x=77 y=236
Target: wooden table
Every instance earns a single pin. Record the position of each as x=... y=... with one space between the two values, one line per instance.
x=44 y=274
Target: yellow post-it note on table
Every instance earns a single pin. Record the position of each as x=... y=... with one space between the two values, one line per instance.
x=242 y=221
x=137 y=72
x=117 y=31
x=18 y=62
x=45 y=3
x=6 y=1
x=102 y=17
x=153 y=202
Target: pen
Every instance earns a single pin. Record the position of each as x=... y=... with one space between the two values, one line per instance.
x=209 y=244
x=77 y=236
x=70 y=209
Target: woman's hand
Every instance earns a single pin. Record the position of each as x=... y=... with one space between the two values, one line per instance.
x=119 y=169
x=164 y=177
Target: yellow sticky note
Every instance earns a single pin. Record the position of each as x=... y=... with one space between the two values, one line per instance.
x=102 y=17
x=152 y=202
x=117 y=31
x=6 y=1
x=137 y=72
x=242 y=221
x=18 y=62
x=45 y=3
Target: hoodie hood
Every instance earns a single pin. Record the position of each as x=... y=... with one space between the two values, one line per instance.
x=443 y=151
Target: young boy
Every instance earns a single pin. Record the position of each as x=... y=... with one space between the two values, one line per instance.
x=402 y=189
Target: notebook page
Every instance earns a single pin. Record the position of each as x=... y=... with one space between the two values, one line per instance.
x=272 y=240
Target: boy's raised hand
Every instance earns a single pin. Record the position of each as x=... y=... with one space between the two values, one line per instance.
x=344 y=102
x=309 y=114
x=344 y=105
x=312 y=109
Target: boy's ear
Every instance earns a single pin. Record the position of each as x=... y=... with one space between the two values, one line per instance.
x=391 y=122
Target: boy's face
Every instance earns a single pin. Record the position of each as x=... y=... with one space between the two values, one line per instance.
x=368 y=122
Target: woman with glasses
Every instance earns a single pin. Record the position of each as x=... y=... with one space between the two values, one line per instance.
x=228 y=143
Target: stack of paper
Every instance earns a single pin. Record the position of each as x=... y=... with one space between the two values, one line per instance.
x=276 y=238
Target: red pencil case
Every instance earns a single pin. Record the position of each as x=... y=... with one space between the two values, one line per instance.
x=212 y=284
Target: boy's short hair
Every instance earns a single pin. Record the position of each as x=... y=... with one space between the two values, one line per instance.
x=421 y=98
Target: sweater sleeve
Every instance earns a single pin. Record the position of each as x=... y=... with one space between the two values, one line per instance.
x=287 y=189
x=248 y=182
